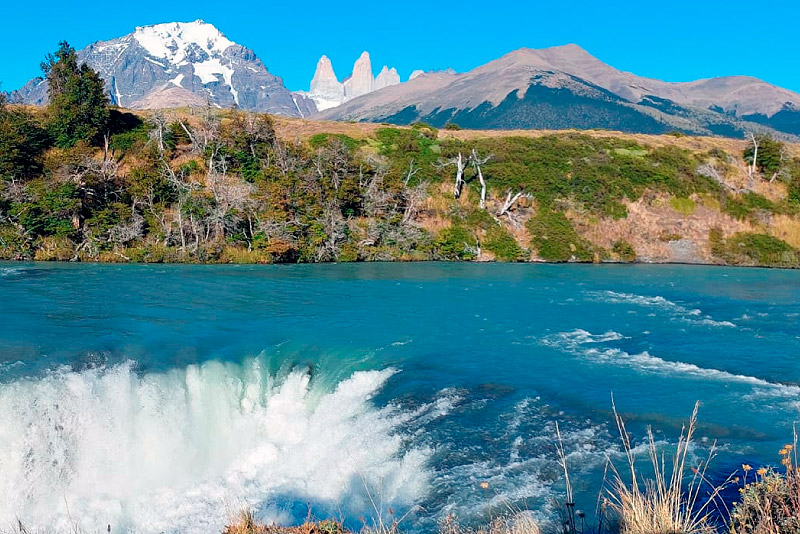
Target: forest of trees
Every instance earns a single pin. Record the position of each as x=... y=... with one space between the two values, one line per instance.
x=82 y=181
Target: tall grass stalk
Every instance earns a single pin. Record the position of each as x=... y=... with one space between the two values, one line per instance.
x=670 y=502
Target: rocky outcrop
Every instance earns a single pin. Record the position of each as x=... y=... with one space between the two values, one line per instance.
x=386 y=78
x=327 y=92
x=195 y=57
x=361 y=81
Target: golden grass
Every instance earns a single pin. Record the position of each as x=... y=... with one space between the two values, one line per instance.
x=668 y=503
x=244 y=522
x=786 y=228
x=512 y=523
x=231 y=254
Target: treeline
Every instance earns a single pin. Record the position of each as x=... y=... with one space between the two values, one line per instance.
x=83 y=181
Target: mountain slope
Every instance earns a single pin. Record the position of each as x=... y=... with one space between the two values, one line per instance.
x=541 y=89
x=141 y=68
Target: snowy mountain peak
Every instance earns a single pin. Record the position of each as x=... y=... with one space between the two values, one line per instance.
x=180 y=42
x=164 y=65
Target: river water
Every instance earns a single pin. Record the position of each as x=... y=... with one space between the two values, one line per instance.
x=163 y=398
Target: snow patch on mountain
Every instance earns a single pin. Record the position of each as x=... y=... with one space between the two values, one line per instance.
x=182 y=63
x=177 y=41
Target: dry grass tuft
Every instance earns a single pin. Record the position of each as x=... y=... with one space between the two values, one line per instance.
x=516 y=523
x=245 y=523
x=670 y=502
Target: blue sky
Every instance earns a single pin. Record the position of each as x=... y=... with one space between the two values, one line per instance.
x=674 y=40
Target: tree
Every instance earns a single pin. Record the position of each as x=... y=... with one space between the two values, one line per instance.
x=78 y=109
x=459 y=164
x=22 y=140
x=476 y=161
x=767 y=155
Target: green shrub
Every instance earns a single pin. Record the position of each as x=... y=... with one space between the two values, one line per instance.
x=50 y=209
x=426 y=129
x=22 y=141
x=325 y=139
x=624 y=251
x=599 y=173
x=555 y=238
x=502 y=244
x=745 y=248
x=748 y=205
x=769 y=502
x=666 y=237
x=126 y=141
x=763 y=249
x=455 y=243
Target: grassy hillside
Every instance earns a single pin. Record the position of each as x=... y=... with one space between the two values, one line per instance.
x=225 y=186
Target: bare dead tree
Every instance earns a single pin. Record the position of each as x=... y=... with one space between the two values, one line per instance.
x=125 y=232
x=783 y=170
x=459 y=164
x=231 y=198
x=709 y=170
x=414 y=197
x=476 y=162
x=335 y=229
x=195 y=147
x=208 y=132
x=505 y=209
x=377 y=198
x=158 y=122
x=751 y=170
x=183 y=189
x=333 y=161
x=412 y=171
x=286 y=159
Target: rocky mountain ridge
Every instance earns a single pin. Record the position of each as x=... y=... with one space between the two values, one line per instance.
x=181 y=64
x=194 y=64
x=328 y=92
x=566 y=87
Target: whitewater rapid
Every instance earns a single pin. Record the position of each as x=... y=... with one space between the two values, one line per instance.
x=183 y=450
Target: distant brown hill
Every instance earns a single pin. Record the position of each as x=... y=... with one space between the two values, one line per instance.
x=566 y=87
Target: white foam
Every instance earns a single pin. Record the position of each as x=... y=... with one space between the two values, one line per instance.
x=10 y=271
x=575 y=343
x=170 y=452
x=689 y=315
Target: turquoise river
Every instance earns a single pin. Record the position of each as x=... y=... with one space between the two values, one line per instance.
x=163 y=398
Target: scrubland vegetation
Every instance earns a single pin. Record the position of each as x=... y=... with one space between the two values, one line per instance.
x=83 y=182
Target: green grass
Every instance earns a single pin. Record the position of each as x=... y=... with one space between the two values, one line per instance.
x=684 y=206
